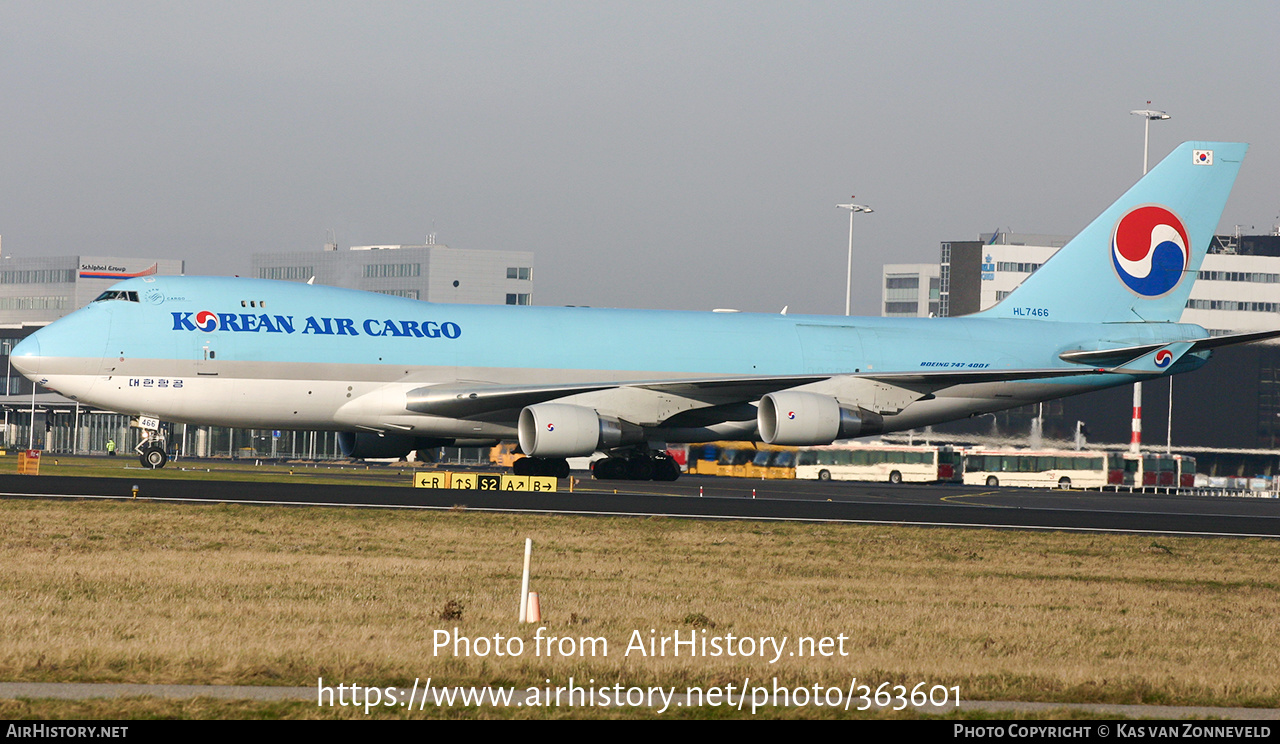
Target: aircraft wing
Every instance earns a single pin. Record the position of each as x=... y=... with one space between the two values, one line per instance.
x=465 y=400
x=477 y=399
x=1214 y=342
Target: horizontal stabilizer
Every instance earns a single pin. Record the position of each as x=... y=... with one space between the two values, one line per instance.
x=1155 y=362
x=1118 y=356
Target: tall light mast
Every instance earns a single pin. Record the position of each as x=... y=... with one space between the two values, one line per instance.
x=848 y=279
x=1135 y=438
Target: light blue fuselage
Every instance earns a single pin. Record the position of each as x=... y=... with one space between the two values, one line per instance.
x=283 y=354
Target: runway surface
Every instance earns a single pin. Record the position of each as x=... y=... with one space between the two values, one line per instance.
x=723 y=498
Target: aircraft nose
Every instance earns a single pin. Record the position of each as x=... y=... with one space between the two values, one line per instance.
x=25 y=357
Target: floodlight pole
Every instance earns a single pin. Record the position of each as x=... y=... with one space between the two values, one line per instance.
x=848 y=279
x=1135 y=439
x=8 y=379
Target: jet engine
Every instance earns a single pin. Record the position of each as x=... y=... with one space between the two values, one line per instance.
x=365 y=445
x=562 y=430
x=793 y=417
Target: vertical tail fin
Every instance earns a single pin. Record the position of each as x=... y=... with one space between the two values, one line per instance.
x=1138 y=259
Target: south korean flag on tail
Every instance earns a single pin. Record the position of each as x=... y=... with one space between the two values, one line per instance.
x=1202 y=157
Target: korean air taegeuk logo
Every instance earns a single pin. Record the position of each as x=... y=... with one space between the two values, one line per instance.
x=1150 y=250
x=207 y=321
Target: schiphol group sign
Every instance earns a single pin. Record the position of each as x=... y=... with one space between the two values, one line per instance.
x=114 y=269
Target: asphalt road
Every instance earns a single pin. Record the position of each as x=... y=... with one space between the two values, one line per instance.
x=723 y=498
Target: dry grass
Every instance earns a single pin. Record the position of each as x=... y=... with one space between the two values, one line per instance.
x=248 y=470
x=143 y=592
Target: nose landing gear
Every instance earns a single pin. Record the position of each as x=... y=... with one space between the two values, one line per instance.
x=153 y=451
x=152 y=455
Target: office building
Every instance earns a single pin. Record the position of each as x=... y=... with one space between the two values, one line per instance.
x=433 y=273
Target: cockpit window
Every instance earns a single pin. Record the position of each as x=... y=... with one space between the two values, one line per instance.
x=117 y=294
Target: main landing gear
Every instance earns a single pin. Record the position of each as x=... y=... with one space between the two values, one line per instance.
x=620 y=465
x=556 y=467
x=636 y=465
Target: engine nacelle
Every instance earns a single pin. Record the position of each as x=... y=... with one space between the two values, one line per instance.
x=562 y=430
x=366 y=445
x=796 y=418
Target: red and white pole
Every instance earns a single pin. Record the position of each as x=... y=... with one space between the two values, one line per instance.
x=1135 y=438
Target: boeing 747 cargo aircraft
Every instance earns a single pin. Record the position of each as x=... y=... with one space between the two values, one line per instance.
x=394 y=375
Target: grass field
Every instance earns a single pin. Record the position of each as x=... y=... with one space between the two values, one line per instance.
x=145 y=592
x=341 y=473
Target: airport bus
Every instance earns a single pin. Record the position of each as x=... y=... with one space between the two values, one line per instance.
x=1186 y=471
x=741 y=460
x=1150 y=471
x=879 y=462
x=719 y=458
x=771 y=461
x=1036 y=469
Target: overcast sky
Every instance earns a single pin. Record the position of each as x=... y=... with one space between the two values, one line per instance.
x=670 y=155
